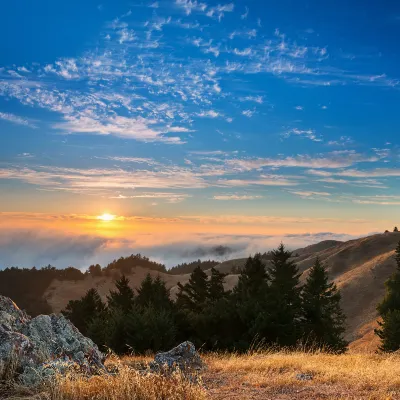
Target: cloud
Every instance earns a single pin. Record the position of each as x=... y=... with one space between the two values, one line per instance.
x=307 y=194
x=264 y=180
x=127 y=128
x=209 y=114
x=169 y=197
x=248 y=113
x=95 y=181
x=246 y=13
x=28 y=248
x=332 y=160
x=236 y=197
x=256 y=99
x=15 y=119
x=309 y=134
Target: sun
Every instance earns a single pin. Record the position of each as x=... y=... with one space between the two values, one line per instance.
x=106 y=217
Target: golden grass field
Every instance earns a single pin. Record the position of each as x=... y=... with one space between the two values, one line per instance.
x=260 y=375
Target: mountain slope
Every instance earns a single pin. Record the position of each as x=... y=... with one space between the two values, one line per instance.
x=359 y=267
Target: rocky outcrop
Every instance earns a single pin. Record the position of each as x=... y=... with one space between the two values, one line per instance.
x=183 y=358
x=37 y=348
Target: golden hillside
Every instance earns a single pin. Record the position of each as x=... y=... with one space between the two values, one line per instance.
x=359 y=267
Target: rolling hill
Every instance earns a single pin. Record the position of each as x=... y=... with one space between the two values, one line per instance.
x=359 y=267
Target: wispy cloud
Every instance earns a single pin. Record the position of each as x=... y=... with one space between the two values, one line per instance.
x=235 y=197
x=15 y=119
x=128 y=128
x=309 y=134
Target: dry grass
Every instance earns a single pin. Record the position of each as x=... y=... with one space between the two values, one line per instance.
x=261 y=375
x=273 y=376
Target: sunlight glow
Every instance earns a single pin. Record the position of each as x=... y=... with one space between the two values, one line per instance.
x=106 y=217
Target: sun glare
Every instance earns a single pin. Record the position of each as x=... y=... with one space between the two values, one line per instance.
x=106 y=217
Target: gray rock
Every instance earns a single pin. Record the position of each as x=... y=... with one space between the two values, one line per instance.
x=183 y=357
x=38 y=348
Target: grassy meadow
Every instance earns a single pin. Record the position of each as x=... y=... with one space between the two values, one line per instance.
x=256 y=375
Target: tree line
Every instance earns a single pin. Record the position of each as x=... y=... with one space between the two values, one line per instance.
x=267 y=306
x=27 y=286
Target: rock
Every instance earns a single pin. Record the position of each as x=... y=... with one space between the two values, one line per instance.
x=304 y=377
x=36 y=349
x=183 y=358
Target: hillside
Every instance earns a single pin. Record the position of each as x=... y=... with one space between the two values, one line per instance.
x=359 y=267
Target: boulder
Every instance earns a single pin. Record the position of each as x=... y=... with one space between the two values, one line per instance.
x=183 y=358
x=37 y=348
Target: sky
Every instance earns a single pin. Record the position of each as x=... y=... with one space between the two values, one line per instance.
x=195 y=125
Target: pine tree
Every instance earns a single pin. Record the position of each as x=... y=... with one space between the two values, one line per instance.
x=389 y=331
x=193 y=295
x=82 y=312
x=281 y=320
x=153 y=292
x=123 y=298
x=216 y=289
x=249 y=300
x=323 y=317
x=389 y=311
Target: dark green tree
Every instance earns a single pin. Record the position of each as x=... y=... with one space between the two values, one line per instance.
x=150 y=329
x=249 y=300
x=281 y=321
x=389 y=331
x=389 y=311
x=123 y=298
x=153 y=293
x=82 y=312
x=323 y=318
x=193 y=295
x=216 y=289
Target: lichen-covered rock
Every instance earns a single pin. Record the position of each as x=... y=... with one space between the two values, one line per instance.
x=56 y=336
x=11 y=317
x=183 y=357
x=41 y=347
x=17 y=351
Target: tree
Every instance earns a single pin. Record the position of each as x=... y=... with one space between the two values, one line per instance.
x=389 y=310
x=323 y=317
x=280 y=322
x=249 y=298
x=389 y=331
x=150 y=329
x=216 y=289
x=193 y=295
x=153 y=293
x=82 y=312
x=395 y=229
x=123 y=298
x=95 y=270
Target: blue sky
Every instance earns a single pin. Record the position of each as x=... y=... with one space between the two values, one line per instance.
x=200 y=111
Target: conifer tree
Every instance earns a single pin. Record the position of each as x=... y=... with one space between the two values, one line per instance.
x=281 y=321
x=82 y=312
x=389 y=331
x=323 y=317
x=153 y=292
x=216 y=289
x=193 y=295
x=389 y=311
x=249 y=300
x=123 y=298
